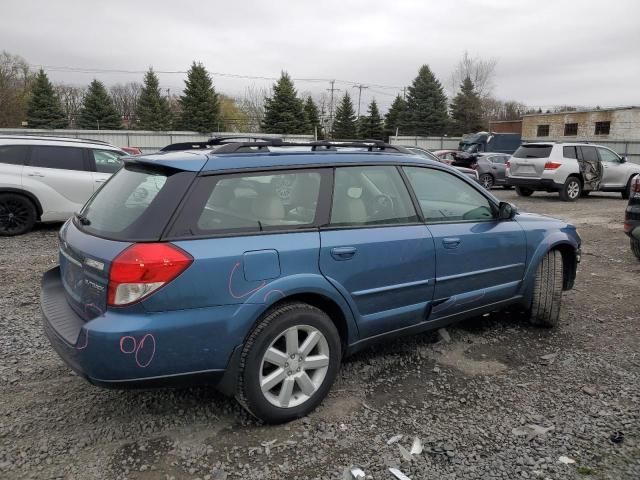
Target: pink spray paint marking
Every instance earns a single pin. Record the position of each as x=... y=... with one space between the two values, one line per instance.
x=143 y=351
x=274 y=291
x=242 y=295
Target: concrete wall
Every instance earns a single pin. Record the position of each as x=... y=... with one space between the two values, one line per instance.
x=145 y=140
x=625 y=125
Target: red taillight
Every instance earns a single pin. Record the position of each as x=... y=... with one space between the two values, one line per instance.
x=635 y=184
x=552 y=165
x=142 y=269
x=508 y=164
x=626 y=226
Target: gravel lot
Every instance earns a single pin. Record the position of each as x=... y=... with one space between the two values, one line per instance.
x=499 y=399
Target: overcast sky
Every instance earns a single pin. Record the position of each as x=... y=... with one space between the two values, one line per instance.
x=569 y=52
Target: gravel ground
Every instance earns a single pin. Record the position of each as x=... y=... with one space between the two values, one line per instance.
x=494 y=398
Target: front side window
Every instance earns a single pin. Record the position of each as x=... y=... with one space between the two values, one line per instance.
x=64 y=158
x=107 y=161
x=371 y=195
x=543 y=130
x=607 y=155
x=444 y=197
x=13 y=154
x=258 y=201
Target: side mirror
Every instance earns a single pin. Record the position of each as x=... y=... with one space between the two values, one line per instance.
x=506 y=211
x=623 y=159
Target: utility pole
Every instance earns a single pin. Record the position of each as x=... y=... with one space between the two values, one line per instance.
x=359 y=87
x=331 y=100
x=404 y=93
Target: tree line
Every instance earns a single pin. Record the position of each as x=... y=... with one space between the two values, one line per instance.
x=31 y=99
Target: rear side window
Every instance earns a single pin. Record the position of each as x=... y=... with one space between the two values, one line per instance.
x=569 y=152
x=374 y=195
x=13 y=154
x=251 y=203
x=136 y=203
x=64 y=158
x=533 y=151
x=589 y=154
x=107 y=161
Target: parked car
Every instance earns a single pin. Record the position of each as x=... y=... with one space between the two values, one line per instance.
x=632 y=217
x=571 y=169
x=446 y=156
x=47 y=179
x=490 y=142
x=424 y=153
x=131 y=150
x=260 y=271
x=491 y=168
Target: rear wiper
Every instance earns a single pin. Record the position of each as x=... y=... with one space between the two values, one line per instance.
x=82 y=219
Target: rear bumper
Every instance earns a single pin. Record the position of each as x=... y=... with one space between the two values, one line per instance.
x=120 y=350
x=545 y=184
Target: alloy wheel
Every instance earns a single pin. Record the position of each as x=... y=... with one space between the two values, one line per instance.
x=573 y=189
x=14 y=215
x=294 y=366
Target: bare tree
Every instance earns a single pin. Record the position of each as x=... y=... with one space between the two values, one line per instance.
x=252 y=106
x=480 y=71
x=71 y=98
x=494 y=109
x=15 y=85
x=125 y=98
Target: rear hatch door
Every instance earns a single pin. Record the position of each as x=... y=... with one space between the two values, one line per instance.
x=529 y=160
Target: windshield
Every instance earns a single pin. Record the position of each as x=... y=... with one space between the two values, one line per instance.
x=135 y=204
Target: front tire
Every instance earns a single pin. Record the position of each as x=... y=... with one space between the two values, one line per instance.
x=635 y=247
x=18 y=214
x=524 y=191
x=288 y=363
x=544 y=309
x=571 y=190
x=486 y=180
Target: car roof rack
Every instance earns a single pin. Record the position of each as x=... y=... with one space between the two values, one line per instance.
x=230 y=144
x=34 y=136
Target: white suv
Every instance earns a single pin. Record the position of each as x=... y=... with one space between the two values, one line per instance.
x=572 y=169
x=47 y=179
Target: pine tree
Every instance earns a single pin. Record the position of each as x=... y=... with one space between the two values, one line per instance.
x=44 y=109
x=284 y=112
x=200 y=106
x=153 y=111
x=371 y=126
x=98 y=111
x=393 y=117
x=344 y=125
x=426 y=112
x=312 y=116
x=466 y=110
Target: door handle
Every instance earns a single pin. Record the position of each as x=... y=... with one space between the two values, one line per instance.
x=100 y=181
x=35 y=174
x=451 y=242
x=343 y=253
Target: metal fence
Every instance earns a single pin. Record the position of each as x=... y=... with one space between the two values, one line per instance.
x=628 y=148
x=147 y=141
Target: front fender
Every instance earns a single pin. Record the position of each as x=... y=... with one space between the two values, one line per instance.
x=551 y=241
x=299 y=284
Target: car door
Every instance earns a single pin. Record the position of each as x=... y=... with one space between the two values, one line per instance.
x=614 y=172
x=375 y=250
x=104 y=163
x=499 y=167
x=59 y=176
x=480 y=260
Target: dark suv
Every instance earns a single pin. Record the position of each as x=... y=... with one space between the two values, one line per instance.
x=632 y=216
x=258 y=267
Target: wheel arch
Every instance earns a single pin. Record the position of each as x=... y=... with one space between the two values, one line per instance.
x=26 y=194
x=567 y=249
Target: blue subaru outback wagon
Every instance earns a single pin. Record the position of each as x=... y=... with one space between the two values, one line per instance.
x=258 y=265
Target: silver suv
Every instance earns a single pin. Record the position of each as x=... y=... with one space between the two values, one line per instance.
x=49 y=178
x=571 y=169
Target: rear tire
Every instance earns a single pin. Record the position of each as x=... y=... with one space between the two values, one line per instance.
x=18 y=214
x=635 y=247
x=571 y=190
x=544 y=310
x=524 y=191
x=486 y=180
x=276 y=369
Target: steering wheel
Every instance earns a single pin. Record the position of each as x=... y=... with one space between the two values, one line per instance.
x=383 y=204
